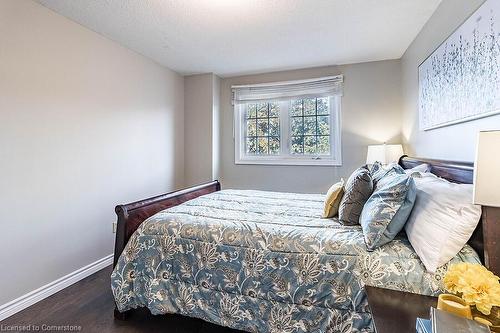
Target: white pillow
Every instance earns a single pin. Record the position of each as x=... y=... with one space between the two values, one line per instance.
x=424 y=167
x=442 y=220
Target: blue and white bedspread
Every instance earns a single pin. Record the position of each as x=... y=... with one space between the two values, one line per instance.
x=263 y=262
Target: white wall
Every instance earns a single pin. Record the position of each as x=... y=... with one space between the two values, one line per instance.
x=85 y=124
x=371 y=113
x=456 y=142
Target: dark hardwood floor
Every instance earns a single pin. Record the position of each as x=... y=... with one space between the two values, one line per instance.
x=89 y=304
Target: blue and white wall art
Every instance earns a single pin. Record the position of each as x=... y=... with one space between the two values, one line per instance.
x=460 y=81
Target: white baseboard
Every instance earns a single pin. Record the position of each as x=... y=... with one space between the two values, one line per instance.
x=21 y=303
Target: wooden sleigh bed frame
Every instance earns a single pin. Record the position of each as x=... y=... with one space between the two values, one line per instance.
x=484 y=239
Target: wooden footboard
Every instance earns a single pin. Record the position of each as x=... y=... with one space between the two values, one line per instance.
x=130 y=216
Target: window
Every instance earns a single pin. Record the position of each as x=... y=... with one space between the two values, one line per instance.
x=297 y=131
x=310 y=126
x=262 y=127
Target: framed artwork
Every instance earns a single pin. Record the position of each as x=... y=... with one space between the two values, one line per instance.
x=460 y=80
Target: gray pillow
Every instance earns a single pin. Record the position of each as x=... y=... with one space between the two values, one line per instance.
x=388 y=208
x=357 y=190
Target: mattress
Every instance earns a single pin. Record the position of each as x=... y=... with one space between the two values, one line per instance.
x=264 y=262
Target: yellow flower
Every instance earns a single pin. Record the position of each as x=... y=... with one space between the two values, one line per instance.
x=452 y=277
x=477 y=285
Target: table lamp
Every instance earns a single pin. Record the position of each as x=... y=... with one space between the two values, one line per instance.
x=487 y=193
x=384 y=154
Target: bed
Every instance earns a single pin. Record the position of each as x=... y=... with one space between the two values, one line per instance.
x=265 y=261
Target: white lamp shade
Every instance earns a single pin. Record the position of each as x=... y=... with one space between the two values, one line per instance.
x=487 y=169
x=384 y=154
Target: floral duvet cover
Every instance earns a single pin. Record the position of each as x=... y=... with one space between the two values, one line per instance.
x=263 y=262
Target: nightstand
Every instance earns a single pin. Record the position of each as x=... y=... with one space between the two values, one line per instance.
x=397 y=311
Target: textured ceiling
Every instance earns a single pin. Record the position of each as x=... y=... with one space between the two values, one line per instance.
x=230 y=37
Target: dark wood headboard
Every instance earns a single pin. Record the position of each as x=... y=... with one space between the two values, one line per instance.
x=484 y=238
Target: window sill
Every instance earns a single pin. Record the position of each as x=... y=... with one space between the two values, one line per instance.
x=297 y=162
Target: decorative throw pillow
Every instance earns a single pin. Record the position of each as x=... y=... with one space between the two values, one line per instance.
x=386 y=211
x=378 y=171
x=357 y=190
x=375 y=167
x=442 y=220
x=332 y=200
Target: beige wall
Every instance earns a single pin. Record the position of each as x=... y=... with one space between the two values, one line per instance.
x=371 y=113
x=216 y=122
x=456 y=142
x=198 y=106
x=85 y=124
x=201 y=128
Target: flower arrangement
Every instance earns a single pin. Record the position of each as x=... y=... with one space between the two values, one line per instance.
x=475 y=284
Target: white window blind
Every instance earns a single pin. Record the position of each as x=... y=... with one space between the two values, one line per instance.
x=278 y=91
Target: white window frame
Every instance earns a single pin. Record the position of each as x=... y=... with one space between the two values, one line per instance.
x=284 y=157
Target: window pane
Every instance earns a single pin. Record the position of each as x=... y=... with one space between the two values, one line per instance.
x=262 y=146
x=251 y=110
x=297 y=145
x=323 y=125
x=262 y=110
x=324 y=145
x=251 y=127
x=262 y=127
x=274 y=145
x=309 y=125
x=309 y=106
x=273 y=110
x=323 y=104
x=274 y=127
x=296 y=126
x=296 y=108
x=251 y=145
x=310 y=145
